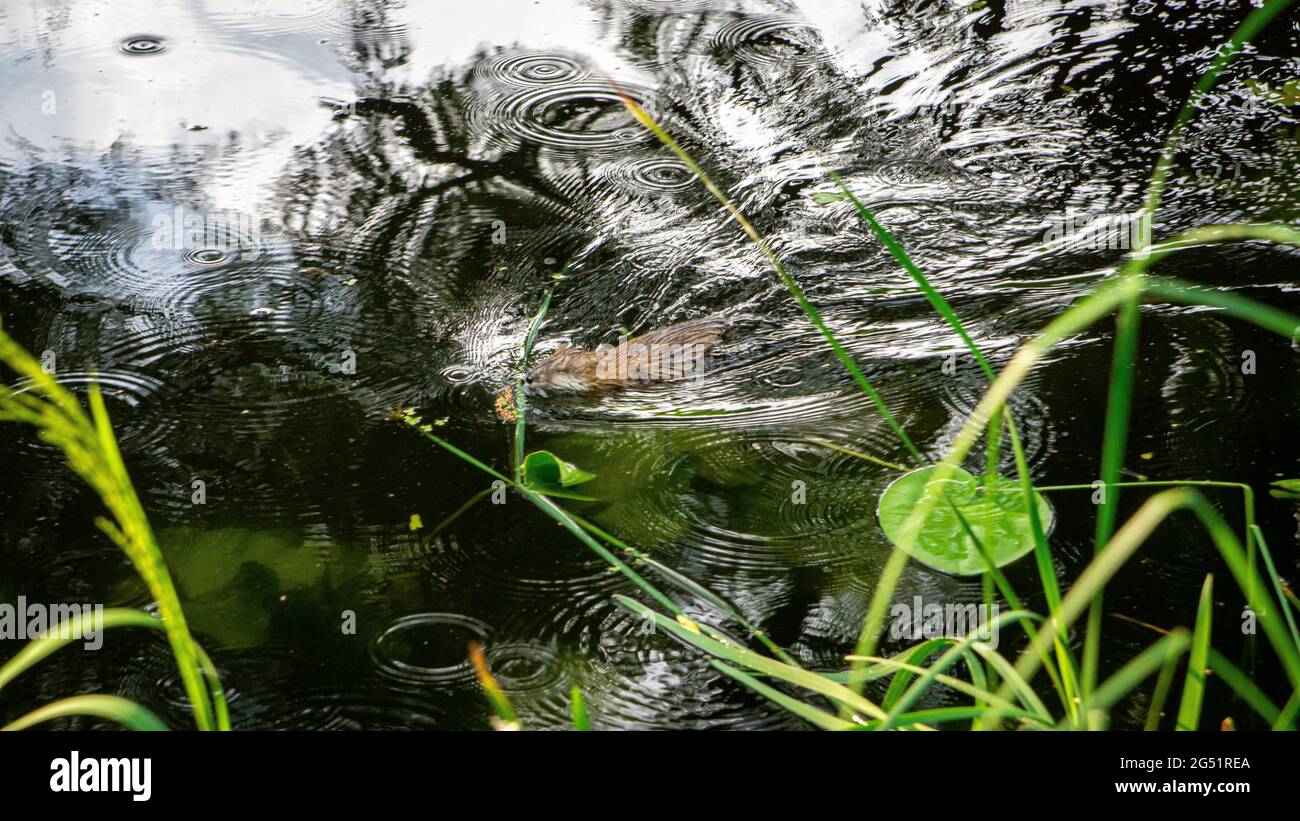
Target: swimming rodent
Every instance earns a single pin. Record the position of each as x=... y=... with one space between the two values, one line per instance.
x=669 y=354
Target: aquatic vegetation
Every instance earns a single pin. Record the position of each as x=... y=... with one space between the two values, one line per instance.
x=92 y=453
x=403 y=241
x=505 y=717
x=225 y=575
x=545 y=472
x=1123 y=292
x=978 y=525
x=505 y=405
x=991 y=519
x=1285 y=489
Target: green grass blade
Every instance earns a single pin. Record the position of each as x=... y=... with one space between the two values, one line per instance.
x=818 y=718
x=521 y=403
x=578 y=709
x=979 y=677
x=1160 y=695
x=1279 y=322
x=1160 y=655
x=932 y=674
x=929 y=676
x=1114 y=445
x=40 y=648
x=90 y=447
x=690 y=585
x=1249 y=691
x=940 y=305
x=1065 y=661
x=114 y=708
x=846 y=359
x=1286 y=718
x=939 y=715
x=1023 y=691
x=903 y=677
x=61 y=635
x=1209 y=234
x=218 y=693
x=1189 y=711
x=1276 y=580
x=727 y=651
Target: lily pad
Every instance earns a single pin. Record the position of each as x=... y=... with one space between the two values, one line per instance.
x=995 y=513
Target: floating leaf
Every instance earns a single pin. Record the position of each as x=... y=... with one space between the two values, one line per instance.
x=543 y=469
x=1286 y=489
x=996 y=515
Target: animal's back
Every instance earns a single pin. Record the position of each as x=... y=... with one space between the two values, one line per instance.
x=709 y=331
x=667 y=354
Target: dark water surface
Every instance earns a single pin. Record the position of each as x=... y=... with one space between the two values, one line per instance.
x=404 y=180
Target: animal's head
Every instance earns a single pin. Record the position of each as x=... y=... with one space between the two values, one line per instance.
x=565 y=371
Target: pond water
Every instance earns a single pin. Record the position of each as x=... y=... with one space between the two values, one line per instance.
x=265 y=225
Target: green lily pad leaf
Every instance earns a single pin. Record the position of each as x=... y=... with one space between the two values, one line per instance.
x=545 y=470
x=1285 y=489
x=995 y=513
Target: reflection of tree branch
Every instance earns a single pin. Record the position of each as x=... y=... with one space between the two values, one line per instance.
x=420 y=133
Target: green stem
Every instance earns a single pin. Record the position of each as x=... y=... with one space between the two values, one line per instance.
x=1114 y=444
x=793 y=287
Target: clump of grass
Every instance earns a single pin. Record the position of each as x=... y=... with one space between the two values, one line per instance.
x=88 y=443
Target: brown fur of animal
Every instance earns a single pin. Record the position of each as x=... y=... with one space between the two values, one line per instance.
x=670 y=354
